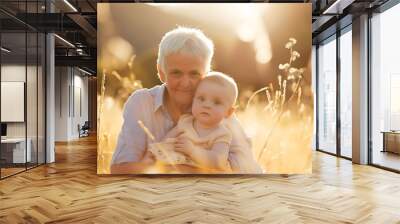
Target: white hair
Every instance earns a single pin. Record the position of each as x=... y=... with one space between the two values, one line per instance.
x=188 y=41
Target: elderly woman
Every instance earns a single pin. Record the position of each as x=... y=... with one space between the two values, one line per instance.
x=184 y=58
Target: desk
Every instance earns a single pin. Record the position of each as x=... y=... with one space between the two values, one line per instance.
x=13 y=150
x=391 y=141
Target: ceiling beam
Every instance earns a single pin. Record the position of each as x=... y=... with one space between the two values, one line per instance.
x=84 y=24
x=82 y=61
x=337 y=7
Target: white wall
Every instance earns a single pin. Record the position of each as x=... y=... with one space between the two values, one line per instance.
x=16 y=73
x=71 y=93
x=62 y=80
x=80 y=110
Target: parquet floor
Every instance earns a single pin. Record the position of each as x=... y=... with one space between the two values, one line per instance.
x=9 y=171
x=69 y=191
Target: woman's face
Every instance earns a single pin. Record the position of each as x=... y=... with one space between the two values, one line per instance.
x=183 y=74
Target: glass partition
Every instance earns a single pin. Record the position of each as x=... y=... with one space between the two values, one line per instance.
x=41 y=109
x=385 y=89
x=346 y=93
x=22 y=91
x=14 y=151
x=31 y=99
x=327 y=95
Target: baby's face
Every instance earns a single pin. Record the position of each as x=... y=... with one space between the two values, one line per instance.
x=211 y=103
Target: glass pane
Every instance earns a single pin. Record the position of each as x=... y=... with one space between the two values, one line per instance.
x=327 y=96
x=313 y=85
x=31 y=87
x=31 y=97
x=385 y=89
x=41 y=98
x=13 y=85
x=346 y=94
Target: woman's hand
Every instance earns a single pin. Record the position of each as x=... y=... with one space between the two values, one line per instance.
x=184 y=145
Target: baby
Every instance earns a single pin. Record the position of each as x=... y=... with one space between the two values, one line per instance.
x=204 y=142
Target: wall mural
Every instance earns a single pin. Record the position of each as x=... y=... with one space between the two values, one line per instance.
x=214 y=88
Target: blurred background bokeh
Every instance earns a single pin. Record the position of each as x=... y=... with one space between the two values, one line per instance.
x=249 y=39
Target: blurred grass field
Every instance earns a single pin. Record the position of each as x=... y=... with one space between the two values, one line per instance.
x=279 y=123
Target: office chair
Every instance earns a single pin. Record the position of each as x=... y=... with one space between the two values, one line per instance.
x=84 y=130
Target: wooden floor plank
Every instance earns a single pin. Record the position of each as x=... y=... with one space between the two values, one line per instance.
x=70 y=191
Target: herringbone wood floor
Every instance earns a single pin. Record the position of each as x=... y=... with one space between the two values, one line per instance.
x=69 y=191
